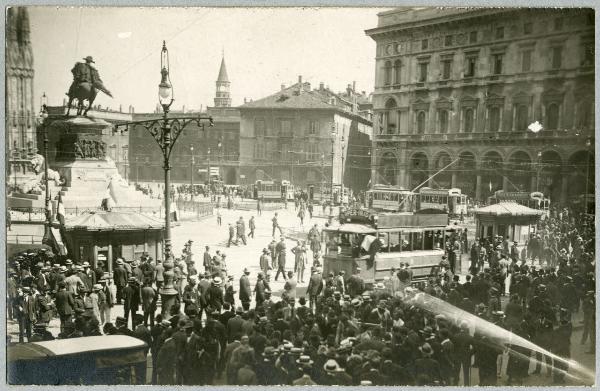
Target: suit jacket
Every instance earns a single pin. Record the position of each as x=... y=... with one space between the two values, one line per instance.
x=234 y=327
x=245 y=289
x=30 y=308
x=148 y=296
x=120 y=276
x=290 y=287
x=207 y=259
x=131 y=295
x=315 y=285
x=65 y=302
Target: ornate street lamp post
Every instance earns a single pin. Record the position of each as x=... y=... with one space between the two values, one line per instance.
x=165 y=132
x=333 y=135
x=192 y=174
x=47 y=239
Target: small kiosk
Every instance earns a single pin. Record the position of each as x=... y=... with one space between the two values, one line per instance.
x=109 y=235
x=506 y=219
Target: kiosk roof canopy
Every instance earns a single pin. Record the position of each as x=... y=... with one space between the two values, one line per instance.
x=507 y=209
x=114 y=221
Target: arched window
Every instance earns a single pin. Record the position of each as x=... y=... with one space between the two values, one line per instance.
x=387 y=73
x=552 y=115
x=494 y=119
x=469 y=116
x=443 y=121
x=397 y=71
x=521 y=117
x=421 y=122
x=586 y=114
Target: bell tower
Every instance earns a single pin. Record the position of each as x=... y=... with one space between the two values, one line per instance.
x=222 y=97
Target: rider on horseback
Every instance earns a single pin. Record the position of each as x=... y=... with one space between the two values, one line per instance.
x=85 y=82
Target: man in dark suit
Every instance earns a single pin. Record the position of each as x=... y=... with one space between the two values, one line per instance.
x=234 y=325
x=280 y=248
x=315 y=286
x=245 y=290
x=120 y=278
x=28 y=313
x=131 y=298
x=207 y=260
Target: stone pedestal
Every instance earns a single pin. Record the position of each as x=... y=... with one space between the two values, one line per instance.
x=85 y=154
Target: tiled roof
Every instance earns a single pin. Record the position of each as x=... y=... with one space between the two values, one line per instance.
x=109 y=221
x=291 y=98
x=508 y=209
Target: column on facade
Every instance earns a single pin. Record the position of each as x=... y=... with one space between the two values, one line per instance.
x=564 y=186
x=478 y=187
x=533 y=185
x=505 y=183
x=110 y=258
x=401 y=178
x=453 y=185
x=95 y=256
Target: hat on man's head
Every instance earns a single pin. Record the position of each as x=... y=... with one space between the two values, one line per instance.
x=304 y=361
x=89 y=59
x=246 y=271
x=426 y=350
x=68 y=262
x=217 y=281
x=331 y=366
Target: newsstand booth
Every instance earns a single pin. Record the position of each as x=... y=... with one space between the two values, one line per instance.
x=416 y=239
x=506 y=219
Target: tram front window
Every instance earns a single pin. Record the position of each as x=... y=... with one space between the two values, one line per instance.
x=394 y=241
x=429 y=240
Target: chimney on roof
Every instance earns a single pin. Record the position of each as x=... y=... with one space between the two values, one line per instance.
x=321 y=86
x=183 y=109
x=300 y=79
x=245 y=100
x=282 y=87
x=120 y=108
x=64 y=102
x=354 y=86
x=132 y=109
x=364 y=93
x=349 y=89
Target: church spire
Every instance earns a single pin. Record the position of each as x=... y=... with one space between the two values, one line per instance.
x=222 y=97
x=223 y=71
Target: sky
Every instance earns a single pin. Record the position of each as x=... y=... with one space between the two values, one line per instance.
x=263 y=49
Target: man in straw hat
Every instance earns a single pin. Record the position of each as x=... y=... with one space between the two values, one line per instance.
x=305 y=367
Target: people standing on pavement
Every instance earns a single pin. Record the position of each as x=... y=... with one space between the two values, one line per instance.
x=120 y=278
x=259 y=203
x=231 y=235
x=251 y=226
x=273 y=251
x=207 y=260
x=245 y=290
x=131 y=298
x=300 y=260
x=280 y=248
x=241 y=230
x=64 y=302
x=275 y=222
x=301 y=215
x=159 y=276
x=149 y=298
x=264 y=261
x=290 y=286
x=315 y=287
x=219 y=217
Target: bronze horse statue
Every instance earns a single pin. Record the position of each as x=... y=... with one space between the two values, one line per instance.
x=86 y=82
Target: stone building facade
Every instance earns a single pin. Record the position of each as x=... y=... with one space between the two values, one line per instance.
x=20 y=110
x=462 y=86
x=307 y=136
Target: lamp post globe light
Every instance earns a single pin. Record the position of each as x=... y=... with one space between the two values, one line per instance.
x=166 y=131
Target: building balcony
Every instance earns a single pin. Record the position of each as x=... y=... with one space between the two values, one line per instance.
x=512 y=135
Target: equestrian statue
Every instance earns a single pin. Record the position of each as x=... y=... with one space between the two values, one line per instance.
x=86 y=80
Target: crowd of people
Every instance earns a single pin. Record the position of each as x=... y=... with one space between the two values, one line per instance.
x=337 y=333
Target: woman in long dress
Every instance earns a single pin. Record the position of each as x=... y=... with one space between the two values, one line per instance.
x=300 y=260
